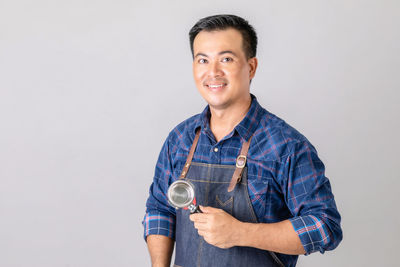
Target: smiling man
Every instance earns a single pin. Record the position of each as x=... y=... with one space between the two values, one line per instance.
x=261 y=186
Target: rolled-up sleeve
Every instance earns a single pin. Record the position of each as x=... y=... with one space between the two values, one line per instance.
x=160 y=216
x=309 y=197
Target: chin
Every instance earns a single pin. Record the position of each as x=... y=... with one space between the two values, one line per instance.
x=217 y=104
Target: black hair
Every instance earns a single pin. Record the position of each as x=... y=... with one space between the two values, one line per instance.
x=222 y=22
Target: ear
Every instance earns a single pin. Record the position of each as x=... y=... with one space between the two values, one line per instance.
x=253 y=63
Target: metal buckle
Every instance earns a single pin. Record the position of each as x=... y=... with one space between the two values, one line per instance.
x=241 y=161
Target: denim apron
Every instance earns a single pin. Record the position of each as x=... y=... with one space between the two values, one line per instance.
x=211 y=183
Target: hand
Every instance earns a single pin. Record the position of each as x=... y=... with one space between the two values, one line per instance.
x=217 y=227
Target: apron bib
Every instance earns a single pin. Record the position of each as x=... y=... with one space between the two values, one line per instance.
x=211 y=182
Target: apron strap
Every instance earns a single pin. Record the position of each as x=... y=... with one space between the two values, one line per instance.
x=190 y=156
x=240 y=163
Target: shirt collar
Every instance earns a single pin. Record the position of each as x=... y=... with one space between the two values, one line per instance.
x=245 y=128
x=249 y=124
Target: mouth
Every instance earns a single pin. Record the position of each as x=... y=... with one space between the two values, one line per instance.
x=216 y=86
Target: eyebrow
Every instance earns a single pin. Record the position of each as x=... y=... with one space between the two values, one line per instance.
x=227 y=52
x=220 y=53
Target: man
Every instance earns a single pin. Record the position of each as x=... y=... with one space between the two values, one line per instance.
x=261 y=186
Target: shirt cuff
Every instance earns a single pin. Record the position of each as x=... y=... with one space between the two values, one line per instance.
x=313 y=233
x=157 y=223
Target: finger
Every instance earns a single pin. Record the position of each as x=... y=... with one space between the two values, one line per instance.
x=209 y=209
x=195 y=217
x=198 y=217
x=202 y=233
x=200 y=226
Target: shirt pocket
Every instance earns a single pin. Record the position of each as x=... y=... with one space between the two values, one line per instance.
x=259 y=198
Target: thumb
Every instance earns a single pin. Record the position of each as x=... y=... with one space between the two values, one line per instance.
x=209 y=209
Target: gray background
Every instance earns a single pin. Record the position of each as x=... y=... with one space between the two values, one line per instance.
x=90 y=89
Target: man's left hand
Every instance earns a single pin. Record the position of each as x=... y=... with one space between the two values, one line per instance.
x=217 y=227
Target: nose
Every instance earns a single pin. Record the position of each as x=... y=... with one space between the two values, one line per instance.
x=215 y=69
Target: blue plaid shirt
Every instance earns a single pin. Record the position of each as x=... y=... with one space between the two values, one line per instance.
x=286 y=178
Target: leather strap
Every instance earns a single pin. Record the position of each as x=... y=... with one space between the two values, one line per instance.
x=240 y=163
x=190 y=156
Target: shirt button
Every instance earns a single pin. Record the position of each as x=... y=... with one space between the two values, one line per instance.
x=216 y=149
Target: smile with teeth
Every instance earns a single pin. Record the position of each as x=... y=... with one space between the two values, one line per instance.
x=216 y=86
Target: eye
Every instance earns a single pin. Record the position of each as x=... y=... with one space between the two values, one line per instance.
x=227 y=59
x=202 y=60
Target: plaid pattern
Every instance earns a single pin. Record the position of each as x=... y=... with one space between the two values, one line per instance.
x=285 y=177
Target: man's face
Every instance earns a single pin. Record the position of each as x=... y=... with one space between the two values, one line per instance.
x=221 y=70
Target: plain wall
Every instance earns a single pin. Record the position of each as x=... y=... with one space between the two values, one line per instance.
x=89 y=91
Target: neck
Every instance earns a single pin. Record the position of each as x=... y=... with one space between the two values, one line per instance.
x=223 y=121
